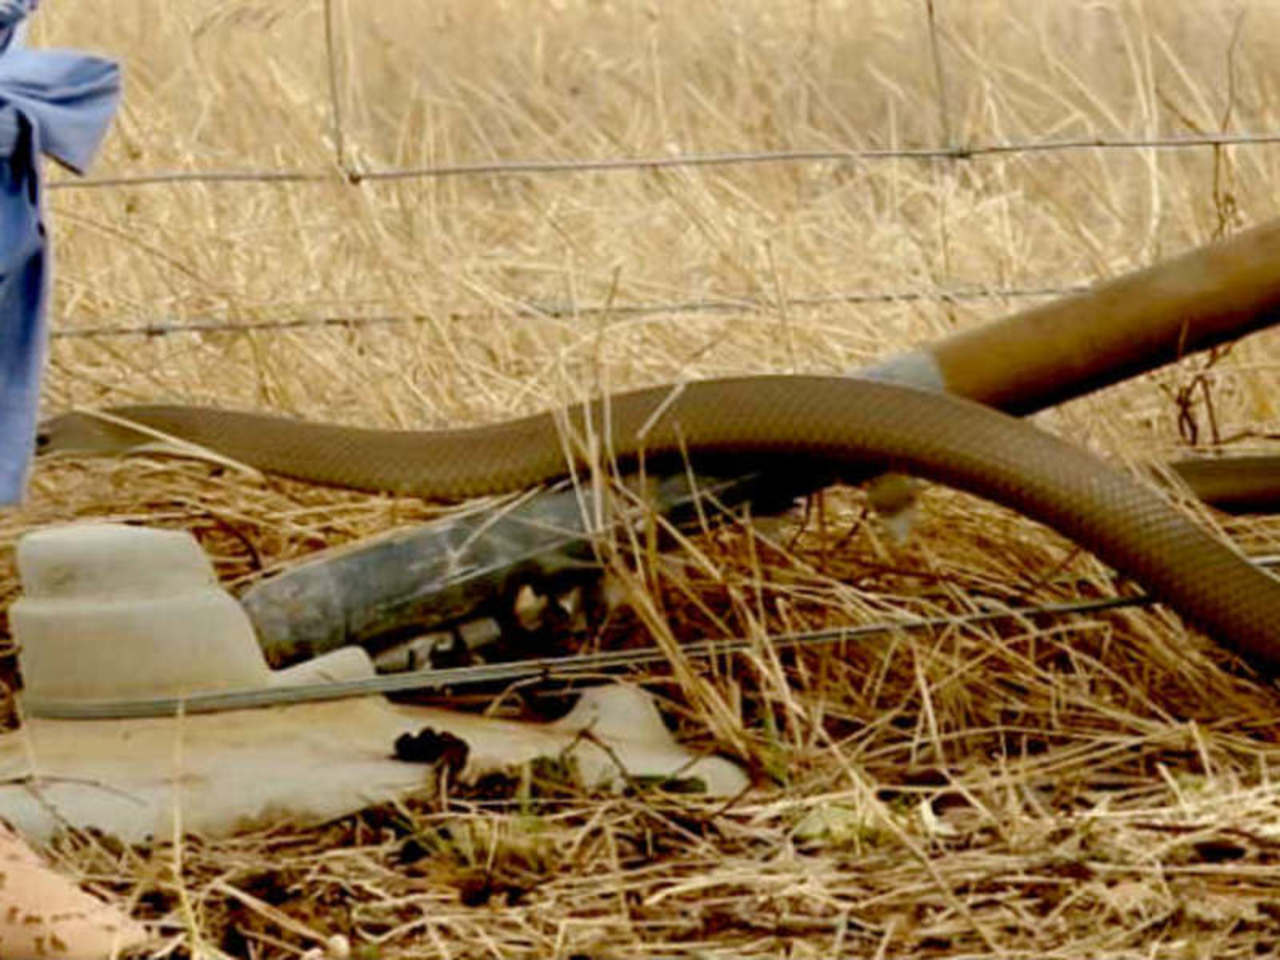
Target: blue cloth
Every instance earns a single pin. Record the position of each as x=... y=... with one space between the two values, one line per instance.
x=13 y=21
x=59 y=103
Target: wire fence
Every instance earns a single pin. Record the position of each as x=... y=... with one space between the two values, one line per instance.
x=160 y=328
x=344 y=172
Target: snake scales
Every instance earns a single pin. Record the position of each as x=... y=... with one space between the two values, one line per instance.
x=856 y=424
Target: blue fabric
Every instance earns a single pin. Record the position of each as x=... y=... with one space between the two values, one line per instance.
x=59 y=103
x=13 y=20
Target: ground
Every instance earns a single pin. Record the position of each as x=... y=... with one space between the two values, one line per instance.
x=1095 y=786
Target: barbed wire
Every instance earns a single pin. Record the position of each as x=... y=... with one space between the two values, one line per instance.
x=69 y=329
x=353 y=176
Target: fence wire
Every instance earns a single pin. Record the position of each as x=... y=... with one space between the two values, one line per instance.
x=342 y=173
x=149 y=328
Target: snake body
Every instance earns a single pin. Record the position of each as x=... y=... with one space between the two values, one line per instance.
x=852 y=424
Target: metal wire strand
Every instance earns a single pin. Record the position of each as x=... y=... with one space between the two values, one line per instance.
x=551 y=668
x=492 y=168
x=70 y=328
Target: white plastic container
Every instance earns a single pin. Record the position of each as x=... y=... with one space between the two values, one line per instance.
x=112 y=611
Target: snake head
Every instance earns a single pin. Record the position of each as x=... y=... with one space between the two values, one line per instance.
x=90 y=432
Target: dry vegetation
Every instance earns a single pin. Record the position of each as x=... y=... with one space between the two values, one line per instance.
x=1100 y=786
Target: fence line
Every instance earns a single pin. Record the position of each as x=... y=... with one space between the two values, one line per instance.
x=611 y=164
x=726 y=305
x=343 y=172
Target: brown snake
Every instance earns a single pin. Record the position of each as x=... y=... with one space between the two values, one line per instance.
x=856 y=424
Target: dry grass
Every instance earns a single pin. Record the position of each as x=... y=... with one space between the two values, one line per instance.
x=1098 y=787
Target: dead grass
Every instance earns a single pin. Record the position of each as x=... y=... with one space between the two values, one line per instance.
x=1100 y=786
